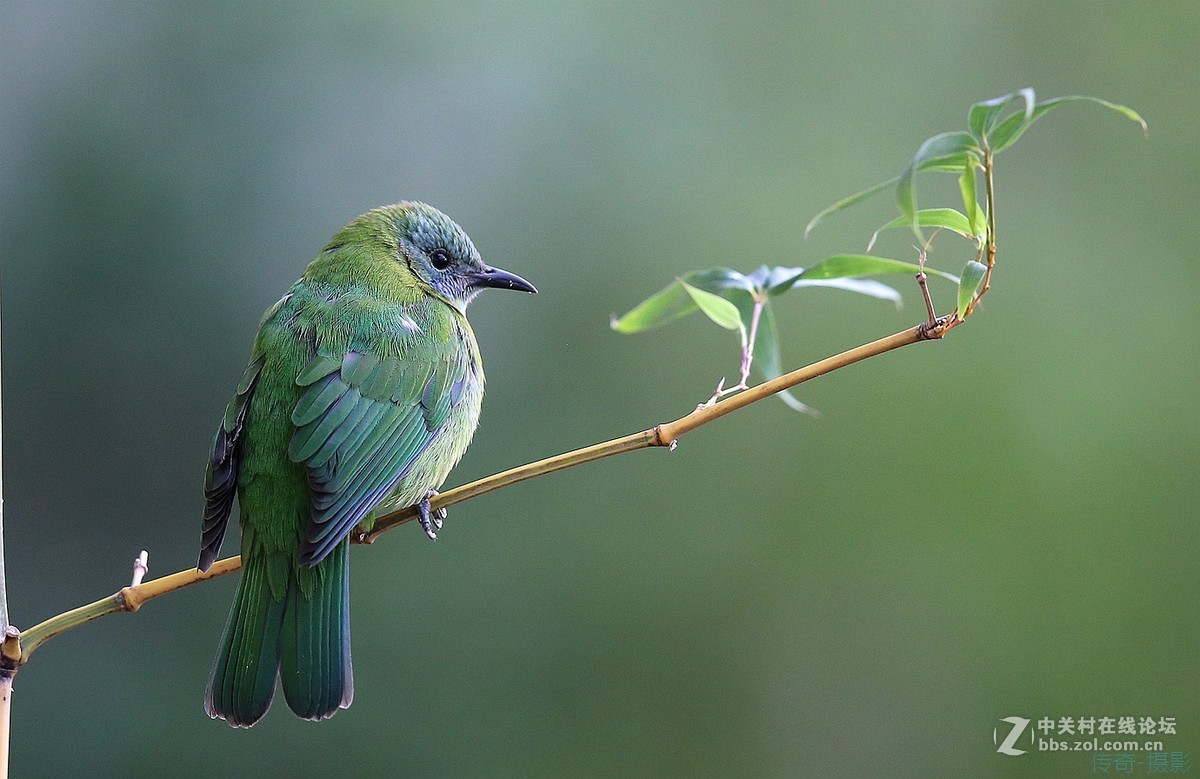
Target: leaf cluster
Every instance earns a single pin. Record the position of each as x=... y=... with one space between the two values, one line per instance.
x=741 y=302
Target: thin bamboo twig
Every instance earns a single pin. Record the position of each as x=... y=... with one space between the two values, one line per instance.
x=6 y=686
x=125 y=599
x=664 y=435
x=4 y=586
x=7 y=669
x=988 y=167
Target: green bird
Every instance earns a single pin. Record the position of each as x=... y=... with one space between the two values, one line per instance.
x=363 y=391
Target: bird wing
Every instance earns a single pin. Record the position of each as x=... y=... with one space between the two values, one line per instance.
x=361 y=422
x=220 y=480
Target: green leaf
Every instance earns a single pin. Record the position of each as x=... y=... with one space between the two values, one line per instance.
x=868 y=287
x=983 y=116
x=931 y=217
x=936 y=148
x=781 y=279
x=977 y=116
x=846 y=202
x=715 y=307
x=972 y=279
x=966 y=184
x=852 y=265
x=767 y=359
x=942 y=146
x=951 y=162
x=1012 y=128
x=906 y=198
x=666 y=305
x=674 y=302
x=718 y=279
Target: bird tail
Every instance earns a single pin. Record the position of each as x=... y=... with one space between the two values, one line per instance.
x=302 y=638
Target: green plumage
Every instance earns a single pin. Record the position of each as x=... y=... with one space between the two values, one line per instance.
x=363 y=390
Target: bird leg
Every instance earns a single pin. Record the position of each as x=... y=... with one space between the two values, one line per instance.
x=430 y=519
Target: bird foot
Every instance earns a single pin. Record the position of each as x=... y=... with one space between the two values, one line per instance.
x=431 y=520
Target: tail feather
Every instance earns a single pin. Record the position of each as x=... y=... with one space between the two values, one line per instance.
x=315 y=666
x=302 y=639
x=243 y=677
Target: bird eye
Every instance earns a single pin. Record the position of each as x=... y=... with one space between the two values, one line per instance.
x=439 y=259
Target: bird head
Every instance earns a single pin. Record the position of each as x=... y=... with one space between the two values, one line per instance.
x=438 y=254
x=410 y=248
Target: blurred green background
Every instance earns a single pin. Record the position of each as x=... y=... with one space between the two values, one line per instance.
x=1001 y=524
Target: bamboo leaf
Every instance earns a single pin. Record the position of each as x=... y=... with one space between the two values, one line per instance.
x=719 y=279
x=666 y=305
x=782 y=279
x=943 y=146
x=932 y=217
x=1012 y=128
x=767 y=359
x=972 y=279
x=715 y=307
x=846 y=202
x=674 y=302
x=868 y=287
x=906 y=198
x=977 y=116
x=966 y=184
x=983 y=116
x=950 y=162
x=853 y=265
x=938 y=148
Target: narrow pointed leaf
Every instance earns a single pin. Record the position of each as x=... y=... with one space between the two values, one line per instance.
x=718 y=279
x=868 y=287
x=942 y=146
x=846 y=202
x=783 y=279
x=906 y=198
x=932 y=217
x=984 y=116
x=715 y=307
x=972 y=278
x=966 y=184
x=953 y=162
x=1012 y=128
x=1030 y=102
x=853 y=265
x=666 y=305
x=935 y=148
x=767 y=356
x=977 y=117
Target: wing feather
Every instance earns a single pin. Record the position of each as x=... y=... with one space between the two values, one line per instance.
x=220 y=482
x=361 y=424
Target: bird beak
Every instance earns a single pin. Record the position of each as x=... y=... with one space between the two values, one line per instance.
x=501 y=279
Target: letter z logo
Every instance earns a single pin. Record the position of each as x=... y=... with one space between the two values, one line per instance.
x=1018 y=727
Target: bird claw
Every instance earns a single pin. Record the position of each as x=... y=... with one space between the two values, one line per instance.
x=431 y=520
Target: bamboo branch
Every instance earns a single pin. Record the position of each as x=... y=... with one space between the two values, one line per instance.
x=6 y=685
x=125 y=599
x=4 y=623
x=7 y=669
x=18 y=646
x=664 y=435
x=988 y=167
